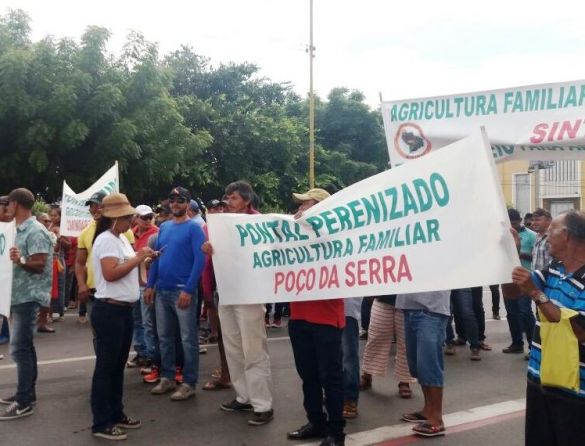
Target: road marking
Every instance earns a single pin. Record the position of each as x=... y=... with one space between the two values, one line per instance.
x=90 y=358
x=401 y=434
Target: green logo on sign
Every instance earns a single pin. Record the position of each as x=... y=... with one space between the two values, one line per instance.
x=2 y=244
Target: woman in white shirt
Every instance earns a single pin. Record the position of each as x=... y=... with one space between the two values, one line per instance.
x=116 y=279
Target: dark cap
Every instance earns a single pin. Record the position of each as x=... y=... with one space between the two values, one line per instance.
x=193 y=205
x=22 y=196
x=215 y=203
x=514 y=215
x=96 y=198
x=180 y=192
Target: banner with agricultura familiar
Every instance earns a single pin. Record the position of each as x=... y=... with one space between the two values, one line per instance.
x=74 y=213
x=537 y=122
x=7 y=236
x=435 y=223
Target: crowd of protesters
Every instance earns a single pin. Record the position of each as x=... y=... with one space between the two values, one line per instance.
x=148 y=274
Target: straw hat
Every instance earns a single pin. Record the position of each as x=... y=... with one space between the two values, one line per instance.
x=116 y=205
x=316 y=194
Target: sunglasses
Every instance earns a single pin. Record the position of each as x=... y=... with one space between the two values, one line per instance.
x=179 y=200
x=146 y=217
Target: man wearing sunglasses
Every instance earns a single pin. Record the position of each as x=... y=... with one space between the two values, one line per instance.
x=175 y=273
x=143 y=342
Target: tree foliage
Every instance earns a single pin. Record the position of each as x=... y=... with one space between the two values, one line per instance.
x=69 y=109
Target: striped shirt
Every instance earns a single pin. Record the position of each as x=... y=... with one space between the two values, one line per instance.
x=540 y=256
x=565 y=291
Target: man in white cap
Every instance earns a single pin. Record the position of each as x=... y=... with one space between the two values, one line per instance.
x=143 y=338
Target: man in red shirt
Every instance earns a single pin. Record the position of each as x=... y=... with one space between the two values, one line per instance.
x=315 y=330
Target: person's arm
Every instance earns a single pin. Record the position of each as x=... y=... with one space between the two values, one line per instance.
x=197 y=240
x=207 y=275
x=34 y=263
x=112 y=270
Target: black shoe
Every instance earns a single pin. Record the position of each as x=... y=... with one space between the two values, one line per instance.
x=260 y=418
x=309 y=430
x=15 y=411
x=111 y=433
x=11 y=399
x=514 y=348
x=128 y=423
x=235 y=406
x=333 y=441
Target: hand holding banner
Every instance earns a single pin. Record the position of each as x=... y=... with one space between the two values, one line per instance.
x=7 y=235
x=436 y=223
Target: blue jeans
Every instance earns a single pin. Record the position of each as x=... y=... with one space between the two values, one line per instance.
x=168 y=317
x=112 y=325
x=4 y=330
x=462 y=304
x=151 y=350
x=138 y=333
x=22 y=350
x=520 y=319
x=350 y=344
x=425 y=333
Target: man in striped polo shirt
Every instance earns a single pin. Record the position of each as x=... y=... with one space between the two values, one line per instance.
x=555 y=412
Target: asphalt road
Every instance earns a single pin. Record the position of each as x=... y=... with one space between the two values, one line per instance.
x=63 y=416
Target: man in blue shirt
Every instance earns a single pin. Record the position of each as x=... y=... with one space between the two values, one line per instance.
x=555 y=408
x=175 y=274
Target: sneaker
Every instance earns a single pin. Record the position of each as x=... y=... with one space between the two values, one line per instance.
x=165 y=385
x=277 y=323
x=12 y=399
x=134 y=362
x=1 y=356
x=496 y=316
x=129 y=423
x=236 y=406
x=514 y=348
x=267 y=323
x=82 y=320
x=111 y=433
x=183 y=392
x=364 y=335
x=179 y=375
x=260 y=418
x=147 y=370
x=449 y=349
x=475 y=356
x=15 y=411
x=202 y=350
x=153 y=376
x=459 y=341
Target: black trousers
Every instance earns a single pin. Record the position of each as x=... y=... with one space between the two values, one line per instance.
x=113 y=326
x=553 y=417
x=319 y=362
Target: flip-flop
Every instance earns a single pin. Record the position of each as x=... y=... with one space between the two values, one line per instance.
x=216 y=385
x=413 y=417
x=429 y=430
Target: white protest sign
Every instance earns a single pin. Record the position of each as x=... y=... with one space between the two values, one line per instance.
x=435 y=223
x=7 y=235
x=74 y=213
x=537 y=122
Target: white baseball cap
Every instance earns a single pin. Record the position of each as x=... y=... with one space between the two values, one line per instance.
x=144 y=209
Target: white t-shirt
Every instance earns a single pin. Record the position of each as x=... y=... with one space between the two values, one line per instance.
x=125 y=289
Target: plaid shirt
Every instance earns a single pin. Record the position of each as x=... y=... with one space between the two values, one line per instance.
x=540 y=256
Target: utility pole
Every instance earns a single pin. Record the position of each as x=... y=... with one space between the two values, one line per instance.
x=311 y=104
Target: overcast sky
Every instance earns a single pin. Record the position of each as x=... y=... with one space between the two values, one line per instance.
x=404 y=49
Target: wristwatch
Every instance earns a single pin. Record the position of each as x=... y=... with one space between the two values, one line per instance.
x=22 y=260
x=541 y=299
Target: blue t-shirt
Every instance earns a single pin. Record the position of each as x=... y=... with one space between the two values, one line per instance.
x=180 y=265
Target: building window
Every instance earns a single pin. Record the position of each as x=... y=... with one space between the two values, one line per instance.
x=522 y=192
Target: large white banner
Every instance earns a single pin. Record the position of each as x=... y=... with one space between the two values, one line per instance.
x=435 y=223
x=74 y=213
x=7 y=235
x=537 y=122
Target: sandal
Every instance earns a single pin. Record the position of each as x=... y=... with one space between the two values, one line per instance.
x=413 y=417
x=216 y=385
x=365 y=381
x=350 y=409
x=485 y=346
x=404 y=390
x=216 y=373
x=429 y=430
